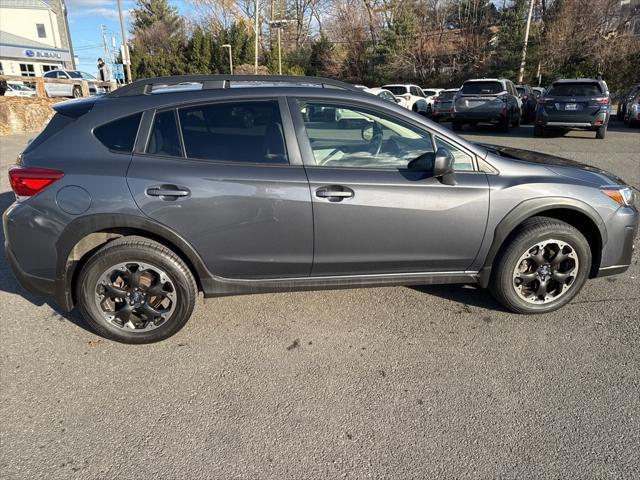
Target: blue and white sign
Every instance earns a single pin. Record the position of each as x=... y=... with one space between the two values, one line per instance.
x=117 y=70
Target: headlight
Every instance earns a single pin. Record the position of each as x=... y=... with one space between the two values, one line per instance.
x=621 y=195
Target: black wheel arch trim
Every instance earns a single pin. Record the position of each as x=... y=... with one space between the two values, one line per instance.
x=529 y=208
x=80 y=228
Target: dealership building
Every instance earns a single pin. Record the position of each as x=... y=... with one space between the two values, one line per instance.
x=34 y=37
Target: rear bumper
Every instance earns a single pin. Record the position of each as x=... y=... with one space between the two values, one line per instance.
x=31 y=269
x=579 y=121
x=483 y=116
x=32 y=283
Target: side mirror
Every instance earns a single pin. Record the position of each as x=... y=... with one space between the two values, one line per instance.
x=443 y=166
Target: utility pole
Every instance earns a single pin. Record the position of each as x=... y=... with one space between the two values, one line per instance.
x=107 y=52
x=255 y=64
x=125 y=49
x=526 y=40
x=226 y=45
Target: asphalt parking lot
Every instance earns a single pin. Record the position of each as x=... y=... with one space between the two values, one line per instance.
x=430 y=382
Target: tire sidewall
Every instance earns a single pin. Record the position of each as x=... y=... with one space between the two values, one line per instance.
x=98 y=264
x=507 y=264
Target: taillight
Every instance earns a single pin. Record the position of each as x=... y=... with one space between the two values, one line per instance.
x=602 y=100
x=29 y=181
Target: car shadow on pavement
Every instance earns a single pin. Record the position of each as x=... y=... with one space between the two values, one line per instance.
x=468 y=295
x=9 y=284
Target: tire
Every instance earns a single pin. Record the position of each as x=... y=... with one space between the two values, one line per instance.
x=506 y=125
x=76 y=92
x=507 y=271
x=154 y=261
x=456 y=126
x=601 y=132
x=538 y=131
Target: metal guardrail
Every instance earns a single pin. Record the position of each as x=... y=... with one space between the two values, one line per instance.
x=40 y=81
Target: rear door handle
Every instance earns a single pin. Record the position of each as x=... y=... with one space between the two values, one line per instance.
x=168 y=191
x=334 y=193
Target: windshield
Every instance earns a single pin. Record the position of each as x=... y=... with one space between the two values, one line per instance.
x=396 y=90
x=17 y=86
x=446 y=95
x=575 y=89
x=482 y=88
x=87 y=76
x=430 y=93
x=521 y=90
x=74 y=74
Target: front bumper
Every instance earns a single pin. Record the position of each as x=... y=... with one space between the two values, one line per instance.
x=622 y=228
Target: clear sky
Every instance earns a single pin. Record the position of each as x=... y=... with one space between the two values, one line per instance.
x=85 y=18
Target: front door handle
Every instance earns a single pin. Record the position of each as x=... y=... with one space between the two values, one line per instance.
x=334 y=193
x=168 y=192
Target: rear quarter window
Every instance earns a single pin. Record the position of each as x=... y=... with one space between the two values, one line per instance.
x=119 y=135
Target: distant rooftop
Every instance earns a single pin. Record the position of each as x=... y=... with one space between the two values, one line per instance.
x=24 y=4
x=7 y=38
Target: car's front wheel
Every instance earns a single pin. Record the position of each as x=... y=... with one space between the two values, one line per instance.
x=543 y=267
x=135 y=290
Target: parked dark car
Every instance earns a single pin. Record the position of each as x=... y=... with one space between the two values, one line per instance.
x=443 y=105
x=487 y=100
x=539 y=91
x=574 y=104
x=129 y=204
x=529 y=102
x=632 y=111
x=624 y=99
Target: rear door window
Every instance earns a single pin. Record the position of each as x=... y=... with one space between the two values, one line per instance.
x=575 y=89
x=234 y=132
x=119 y=135
x=482 y=88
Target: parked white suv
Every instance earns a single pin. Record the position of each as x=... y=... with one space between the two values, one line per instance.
x=430 y=95
x=411 y=97
x=70 y=89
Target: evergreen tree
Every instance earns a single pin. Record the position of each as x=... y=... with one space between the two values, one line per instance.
x=159 y=40
x=199 y=52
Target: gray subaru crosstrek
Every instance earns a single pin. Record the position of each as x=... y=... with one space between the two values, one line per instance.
x=129 y=204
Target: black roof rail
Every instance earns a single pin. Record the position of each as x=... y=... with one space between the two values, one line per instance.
x=145 y=86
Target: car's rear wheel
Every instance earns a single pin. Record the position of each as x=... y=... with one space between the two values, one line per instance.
x=505 y=126
x=543 y=267
x=135 y=290
x=601 y=132
x=76 y=92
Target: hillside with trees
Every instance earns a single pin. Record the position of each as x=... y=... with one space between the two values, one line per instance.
x=429 y=42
